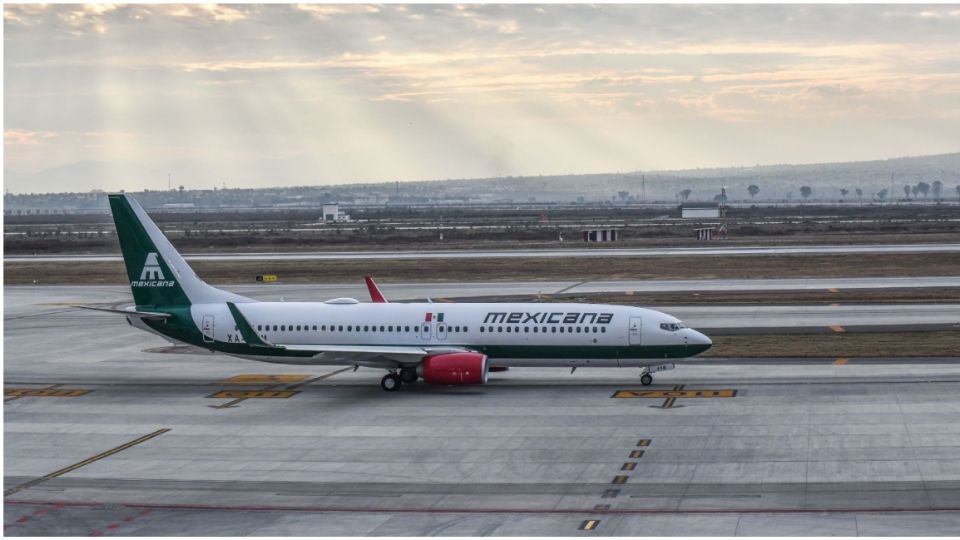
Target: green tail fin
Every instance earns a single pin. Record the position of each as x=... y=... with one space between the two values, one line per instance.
x=158 y=274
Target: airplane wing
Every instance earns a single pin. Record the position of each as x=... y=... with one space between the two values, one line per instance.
x=130 y=312
x=373 y=354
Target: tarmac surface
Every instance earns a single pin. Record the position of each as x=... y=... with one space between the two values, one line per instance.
x=103 y=437
x=525 y=253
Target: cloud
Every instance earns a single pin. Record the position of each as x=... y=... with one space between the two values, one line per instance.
x=324 y=12
x=239 y=82
x=25 y=137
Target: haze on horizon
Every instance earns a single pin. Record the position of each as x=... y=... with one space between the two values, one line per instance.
x=114 y=97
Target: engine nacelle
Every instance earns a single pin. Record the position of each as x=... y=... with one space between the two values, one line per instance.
x=454 y=368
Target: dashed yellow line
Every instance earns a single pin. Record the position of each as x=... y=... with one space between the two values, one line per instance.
x=264 y=378
x=44 y=392
x=837 y=328
x=636 y=454
x=724 y=393
x=254 y=394
x=840 y=361
x=643 y=442
x=620 y=479
x=833 y=290
x=589 y=524
x=629 y=466
x=611 y=493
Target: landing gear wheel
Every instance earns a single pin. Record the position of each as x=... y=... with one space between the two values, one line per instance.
x=390 y=382
x=646 y=379
x=409 y=375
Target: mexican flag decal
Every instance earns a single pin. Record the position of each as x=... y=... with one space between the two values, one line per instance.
x=429 y=317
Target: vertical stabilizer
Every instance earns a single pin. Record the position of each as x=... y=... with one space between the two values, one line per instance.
x=158 y=274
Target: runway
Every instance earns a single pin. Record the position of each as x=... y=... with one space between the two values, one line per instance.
x=104 y=438
x=525 y=253
x=28 y=301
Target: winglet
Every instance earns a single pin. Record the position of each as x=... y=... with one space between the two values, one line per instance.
x=375 y=295
x=247 y=331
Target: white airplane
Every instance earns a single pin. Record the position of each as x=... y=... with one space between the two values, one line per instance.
x=449 y=343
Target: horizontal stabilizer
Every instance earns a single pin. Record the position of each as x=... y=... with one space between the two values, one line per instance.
x=130 y=312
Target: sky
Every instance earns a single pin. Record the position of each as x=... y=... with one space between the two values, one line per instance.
x=116 y=97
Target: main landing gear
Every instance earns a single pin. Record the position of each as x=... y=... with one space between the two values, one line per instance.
x=409 y=375
x=646 y=379
x=390 y=382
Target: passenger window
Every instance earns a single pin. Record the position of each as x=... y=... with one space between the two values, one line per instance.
x=603 y=329
x=349 y=328
x=553 y=330
x=464 y=328
x=499 y=329
x=561 y=329
x=526 y=329
x=283 y=328
x=258 y=328
x=314 y=328
x=578 y=329
x=390 y=328
x=508 y=329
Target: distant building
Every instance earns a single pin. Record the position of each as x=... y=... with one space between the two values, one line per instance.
x=700 y=211
x=600 y=235
x=331 y=213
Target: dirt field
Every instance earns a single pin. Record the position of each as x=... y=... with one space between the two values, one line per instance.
x=853 y=296
x=787 y=266
x=908 y=344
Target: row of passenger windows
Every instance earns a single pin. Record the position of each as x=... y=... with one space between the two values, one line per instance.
x=543 y=329
x=350 y=328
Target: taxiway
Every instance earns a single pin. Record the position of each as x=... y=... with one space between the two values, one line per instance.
x=104 y=437
x=524 y=253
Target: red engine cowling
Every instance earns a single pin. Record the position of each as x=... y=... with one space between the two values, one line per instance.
x=454 y=368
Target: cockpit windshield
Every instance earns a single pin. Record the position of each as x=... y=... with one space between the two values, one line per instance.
x=672 y=327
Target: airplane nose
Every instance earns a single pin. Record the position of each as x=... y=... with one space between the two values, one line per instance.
x=701 y=339
x=698 y=340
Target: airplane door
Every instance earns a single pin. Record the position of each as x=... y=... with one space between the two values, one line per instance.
x=425 y=331
x=207 y=329
x=636 y=326
x=441 y=331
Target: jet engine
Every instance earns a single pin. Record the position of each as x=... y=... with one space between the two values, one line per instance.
x=454 y=368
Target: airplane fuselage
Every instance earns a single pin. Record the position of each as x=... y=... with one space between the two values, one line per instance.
x=510 y=334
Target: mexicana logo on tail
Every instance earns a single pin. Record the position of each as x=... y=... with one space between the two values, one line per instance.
x=152 y=274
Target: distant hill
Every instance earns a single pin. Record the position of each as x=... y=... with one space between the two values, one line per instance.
x=776 y=182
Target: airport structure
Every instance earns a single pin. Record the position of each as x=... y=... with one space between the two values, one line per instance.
x=700 y=211
x=600 y=235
